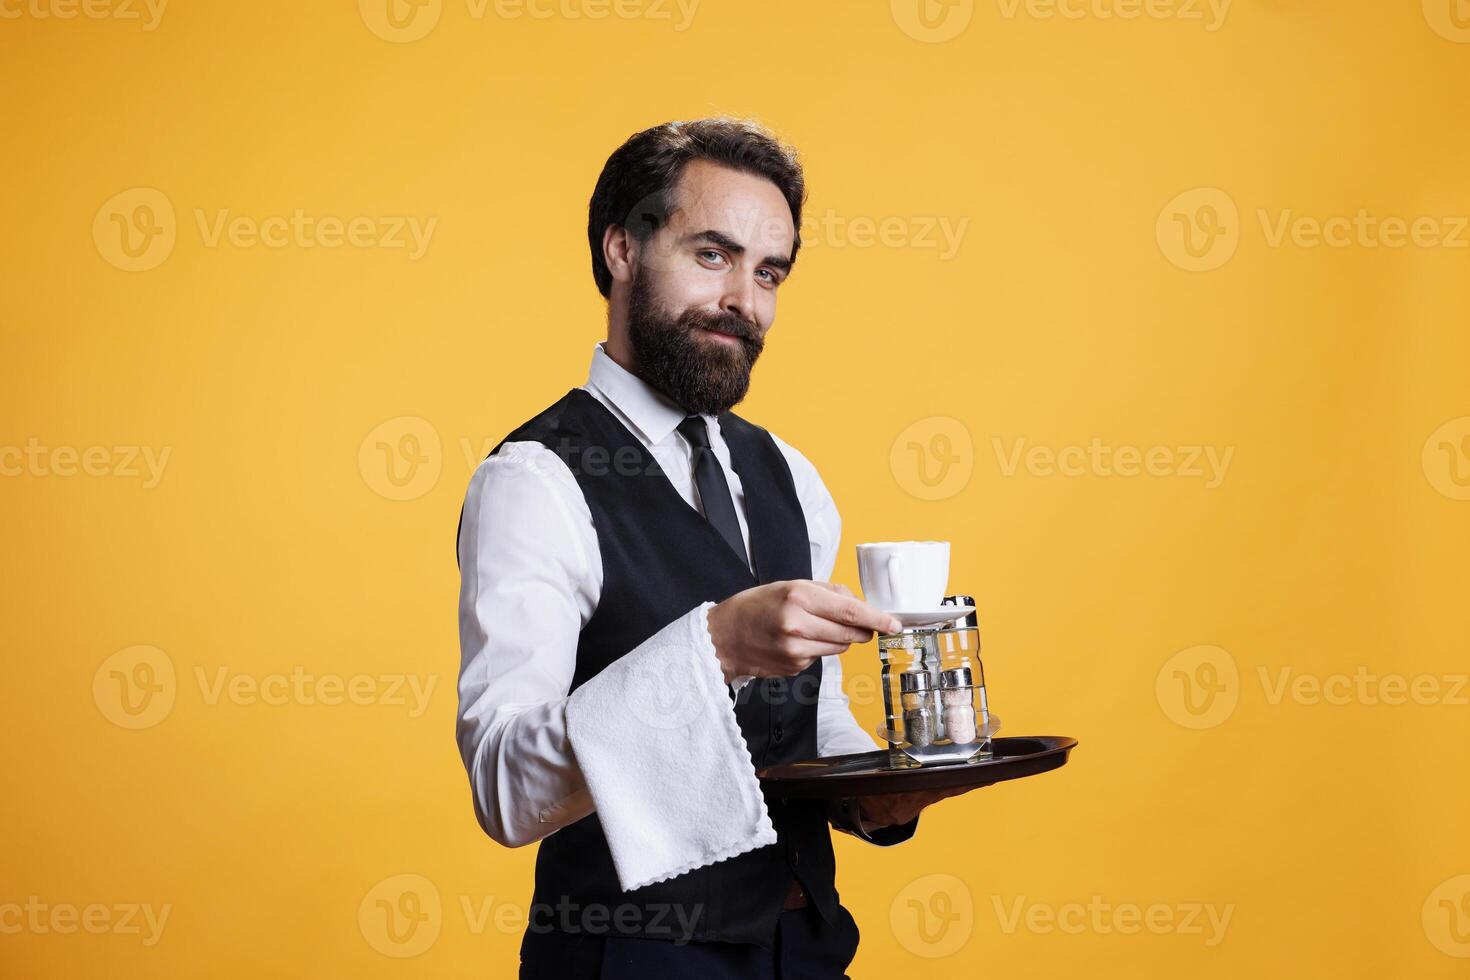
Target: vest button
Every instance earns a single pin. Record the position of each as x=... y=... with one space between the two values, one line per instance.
x=776 y=735
x=795 y=856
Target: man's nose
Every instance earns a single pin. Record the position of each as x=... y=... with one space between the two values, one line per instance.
x=739 y=298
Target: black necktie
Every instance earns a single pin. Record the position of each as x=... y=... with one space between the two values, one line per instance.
x=714 y=492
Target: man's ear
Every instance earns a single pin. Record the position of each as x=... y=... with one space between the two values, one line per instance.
x=620 y=252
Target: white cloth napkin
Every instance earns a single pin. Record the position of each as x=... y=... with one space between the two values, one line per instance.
x=667 y=768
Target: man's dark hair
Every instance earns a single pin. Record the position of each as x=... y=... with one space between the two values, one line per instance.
x=637 y=182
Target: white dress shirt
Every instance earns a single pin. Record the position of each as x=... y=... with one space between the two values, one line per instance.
x=531 y=576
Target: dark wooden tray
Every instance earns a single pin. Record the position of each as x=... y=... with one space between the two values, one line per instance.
x=870 y=774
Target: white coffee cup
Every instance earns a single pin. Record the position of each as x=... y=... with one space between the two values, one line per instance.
x=904 y=576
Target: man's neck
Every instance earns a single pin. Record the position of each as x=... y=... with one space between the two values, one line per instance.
x=621 y=352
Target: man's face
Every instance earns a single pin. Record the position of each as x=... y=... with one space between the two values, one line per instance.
x=704 y=286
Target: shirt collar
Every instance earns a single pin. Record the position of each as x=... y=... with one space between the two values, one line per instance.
x=653 y=413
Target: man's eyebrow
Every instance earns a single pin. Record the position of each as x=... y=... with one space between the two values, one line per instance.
x=731 y=245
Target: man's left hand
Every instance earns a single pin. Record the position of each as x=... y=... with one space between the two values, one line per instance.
x=896 y=808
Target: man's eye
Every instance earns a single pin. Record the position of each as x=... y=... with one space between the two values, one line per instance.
x=711 y=255
x=771 y=277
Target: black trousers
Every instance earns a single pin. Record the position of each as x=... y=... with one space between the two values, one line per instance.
x=806 y=948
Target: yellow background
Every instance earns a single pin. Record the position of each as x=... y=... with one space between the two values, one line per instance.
x=1334 y=833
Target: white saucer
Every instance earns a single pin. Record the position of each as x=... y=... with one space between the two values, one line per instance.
x=925 y=618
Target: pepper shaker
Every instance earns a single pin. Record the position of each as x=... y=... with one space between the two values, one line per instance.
x=917 y=695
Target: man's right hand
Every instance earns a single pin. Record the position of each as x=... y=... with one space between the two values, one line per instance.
x=779 y=629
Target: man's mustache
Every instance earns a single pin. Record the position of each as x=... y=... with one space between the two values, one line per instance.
x=729 y=323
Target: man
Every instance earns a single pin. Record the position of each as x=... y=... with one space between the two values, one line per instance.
x=639 y=540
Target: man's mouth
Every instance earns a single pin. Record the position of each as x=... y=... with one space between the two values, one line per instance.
x=728 y=338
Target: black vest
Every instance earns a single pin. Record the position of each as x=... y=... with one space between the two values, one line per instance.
x=660 y=559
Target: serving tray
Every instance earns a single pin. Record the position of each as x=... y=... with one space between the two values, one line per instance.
x=872 y=773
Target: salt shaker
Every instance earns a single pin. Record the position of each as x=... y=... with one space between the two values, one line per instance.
x=957 y=701
x=916 y=692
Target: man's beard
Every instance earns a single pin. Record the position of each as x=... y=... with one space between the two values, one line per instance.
x=705 y=376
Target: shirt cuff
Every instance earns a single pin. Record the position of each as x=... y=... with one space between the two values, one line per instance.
x=846 y=816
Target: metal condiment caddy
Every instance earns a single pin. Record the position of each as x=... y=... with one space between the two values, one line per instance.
x=936 y=709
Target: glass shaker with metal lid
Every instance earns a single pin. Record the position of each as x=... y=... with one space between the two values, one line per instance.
x=935 y=704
